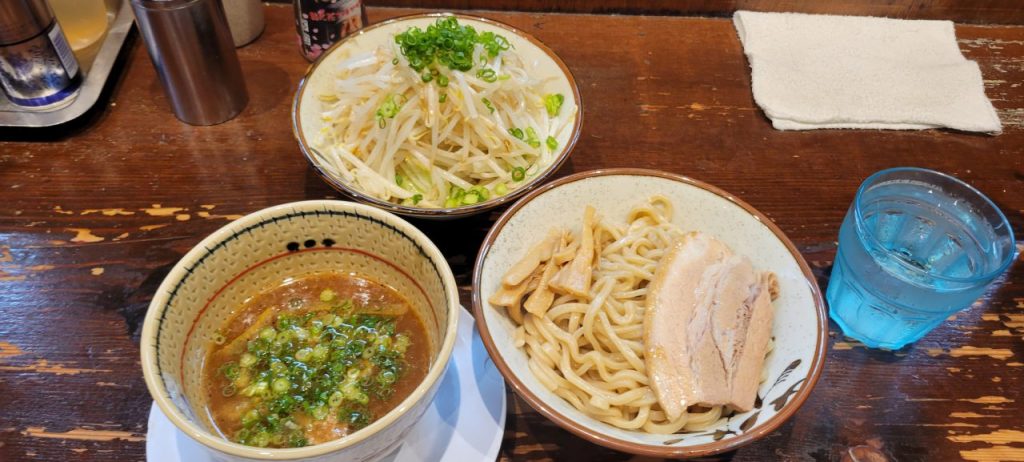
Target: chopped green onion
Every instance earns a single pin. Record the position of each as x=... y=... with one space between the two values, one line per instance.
x=487 y=103
x=417 y=198
x=443 y=97
x=487 y=75
x=398 y=179
x=442 y=80
x=455 y=197
x=516 y=132
x=493 y=43
x=230 y=369
x=256 y=389
x=281 y=385
x=531 y=138
x=262 y=439
x=553 y=103
x=426 y=77
x=320 y=352
x=247 y=360
x=448 y=43
x=471 y=197
x=394 y=61
x=327 y=294
x=501 y=189
x=315 y=363
x=250 y=417
x=552 y=143
x=388 y=110
x=504 y=77
x=482 y=192
x=335 y=400
x=355 y=418
x=386 y=378
x=518 y=174
x=218 y=338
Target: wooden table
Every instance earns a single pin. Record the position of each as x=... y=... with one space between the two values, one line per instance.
x=92 y=217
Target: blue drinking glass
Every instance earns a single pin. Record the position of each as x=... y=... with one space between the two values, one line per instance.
x=915 y=247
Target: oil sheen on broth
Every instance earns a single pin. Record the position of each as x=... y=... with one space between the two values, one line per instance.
x=313 y=360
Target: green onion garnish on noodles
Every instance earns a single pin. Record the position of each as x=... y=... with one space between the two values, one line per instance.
x=551 y=142
x=531 y=138
x=518 y=174
x=553 y=103
x=448 y=43
x=388 y=110
x=471 y=197
x=487 y=75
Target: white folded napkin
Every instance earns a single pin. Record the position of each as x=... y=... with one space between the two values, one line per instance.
x=819 y=71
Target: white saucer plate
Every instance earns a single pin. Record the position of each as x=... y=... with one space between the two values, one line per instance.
x=466 y=421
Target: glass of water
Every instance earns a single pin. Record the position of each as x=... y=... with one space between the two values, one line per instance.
x=916 y=246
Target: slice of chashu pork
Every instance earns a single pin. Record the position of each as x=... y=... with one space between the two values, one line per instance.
x=707 y=325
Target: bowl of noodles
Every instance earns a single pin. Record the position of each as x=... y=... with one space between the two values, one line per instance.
x=649 y=312
x=437 y=115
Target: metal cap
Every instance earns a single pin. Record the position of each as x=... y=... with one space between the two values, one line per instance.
x=23 y=19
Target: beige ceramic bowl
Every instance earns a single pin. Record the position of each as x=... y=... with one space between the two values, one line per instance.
x=800 y=328
x=543 y=62
x=261 y=250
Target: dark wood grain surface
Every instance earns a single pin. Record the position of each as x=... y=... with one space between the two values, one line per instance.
x=966 y=11
x=93 y=215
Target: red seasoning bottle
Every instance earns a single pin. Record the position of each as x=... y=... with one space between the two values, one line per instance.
x=321 y=23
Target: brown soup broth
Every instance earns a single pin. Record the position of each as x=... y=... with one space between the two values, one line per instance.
x=301 y=297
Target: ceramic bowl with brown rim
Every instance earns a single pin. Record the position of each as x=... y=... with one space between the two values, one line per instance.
x=268 y=248
x=800 y=327
x=541 y=62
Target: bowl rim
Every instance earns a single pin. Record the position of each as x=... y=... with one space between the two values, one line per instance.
x=149 y=343
x=452 y=212
x=761 y=430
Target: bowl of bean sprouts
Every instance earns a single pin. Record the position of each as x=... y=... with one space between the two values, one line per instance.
x=437 y=115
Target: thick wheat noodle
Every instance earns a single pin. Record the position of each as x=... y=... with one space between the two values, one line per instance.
x=589 y=351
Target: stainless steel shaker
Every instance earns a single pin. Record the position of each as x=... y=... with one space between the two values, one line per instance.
x=191 y=47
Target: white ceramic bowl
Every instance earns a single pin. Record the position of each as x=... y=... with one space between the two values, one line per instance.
x=542 y=62
x=260 y=250
x=800 y=328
